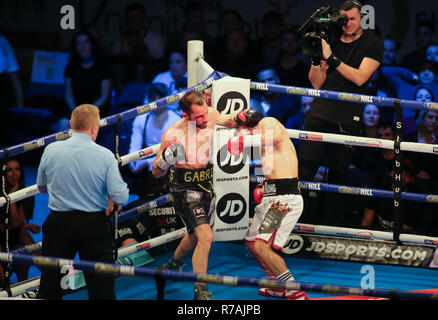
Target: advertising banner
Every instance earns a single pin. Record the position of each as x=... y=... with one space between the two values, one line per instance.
x=231 y=172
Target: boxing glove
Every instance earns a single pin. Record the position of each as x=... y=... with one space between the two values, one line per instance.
x=258 y=193
x=237 y=144
x=171 y=154
x=248 y=118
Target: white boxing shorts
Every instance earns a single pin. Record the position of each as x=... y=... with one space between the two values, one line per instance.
x=277 y=214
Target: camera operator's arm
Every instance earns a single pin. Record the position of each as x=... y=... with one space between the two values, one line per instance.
x=318 y=74
x=358 y=76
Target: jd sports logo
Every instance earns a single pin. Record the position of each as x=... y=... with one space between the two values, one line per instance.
x=231 y=102
x=293 y=245
x=230 y=163
x=231 y=208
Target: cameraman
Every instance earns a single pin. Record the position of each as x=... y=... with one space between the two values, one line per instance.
x=347 y=65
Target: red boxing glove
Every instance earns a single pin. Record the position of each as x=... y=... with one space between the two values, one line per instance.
x=258 y=193
x=237 y=144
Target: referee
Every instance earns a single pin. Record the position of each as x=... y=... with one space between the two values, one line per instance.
x=83 y=182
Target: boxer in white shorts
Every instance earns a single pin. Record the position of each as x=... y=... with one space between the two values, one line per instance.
x=279 y=201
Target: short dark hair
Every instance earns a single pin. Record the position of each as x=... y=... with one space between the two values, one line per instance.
x=350 y=4
x=191 y=97
x=387 y=124
x=157 y=90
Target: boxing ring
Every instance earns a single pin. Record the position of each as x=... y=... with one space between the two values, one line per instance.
x=406 y=269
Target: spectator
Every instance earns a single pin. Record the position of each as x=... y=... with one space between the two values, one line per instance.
x=237 y=59
x=427 y=124
x=390 y=48
x=370 y=120
x=137 y=21
x=377 y=84
x=432 y=53
x=11 y=89
x=281 y=106
x=423 y=95
x=269 y=45
x=193 y=28
x=291 y=70
x=146 y=131
x=130 y=65
x=378 y=212
x=357 y=174
x=177 y=70
x=21 y=213
x=230 y=19
x=424 y=32
x=426 y=179
x=406 y=85
x=87 y=78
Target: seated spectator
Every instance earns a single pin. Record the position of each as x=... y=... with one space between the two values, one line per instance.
x=432 y=53
x=378 y=212
x=230 y=19
x=424 y=32
x=177 y=64
x=237 y=60
x=193 y=28
x=130 y=65
x=267 y=48
x=423 y=95
x=137 y=21
x=87 y=78
x=291 y=70
x=406 y=83
x=146 y=131
x=357 y=174
x=378 y=86
x=427 y=124
x=281 y=106
x=20 y=213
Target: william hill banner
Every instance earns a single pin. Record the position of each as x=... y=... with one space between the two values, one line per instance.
x=359 y=250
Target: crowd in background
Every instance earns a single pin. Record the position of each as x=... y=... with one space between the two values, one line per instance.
x=95 y=75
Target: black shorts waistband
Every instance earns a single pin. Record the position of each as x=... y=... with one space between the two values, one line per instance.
x=189 y=177
x=276 y=187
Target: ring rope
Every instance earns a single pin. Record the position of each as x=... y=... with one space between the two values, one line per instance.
x=31 y=284
x=125 y=215
x=294 y=134
x=110 y=120
x=344 y=96
x=129 y=271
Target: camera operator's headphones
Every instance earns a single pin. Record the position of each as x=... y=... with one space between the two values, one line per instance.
x=357 y=5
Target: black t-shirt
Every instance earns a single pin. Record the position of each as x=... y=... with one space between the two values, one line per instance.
x=352 y=54
x=86 y=83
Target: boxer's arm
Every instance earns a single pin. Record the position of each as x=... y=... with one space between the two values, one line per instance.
x=227 y=120
x=157 y=172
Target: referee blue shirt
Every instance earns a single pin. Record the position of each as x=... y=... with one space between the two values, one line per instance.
x=79 y=174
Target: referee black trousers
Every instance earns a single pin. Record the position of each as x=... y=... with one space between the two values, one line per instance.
x=68 y=233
